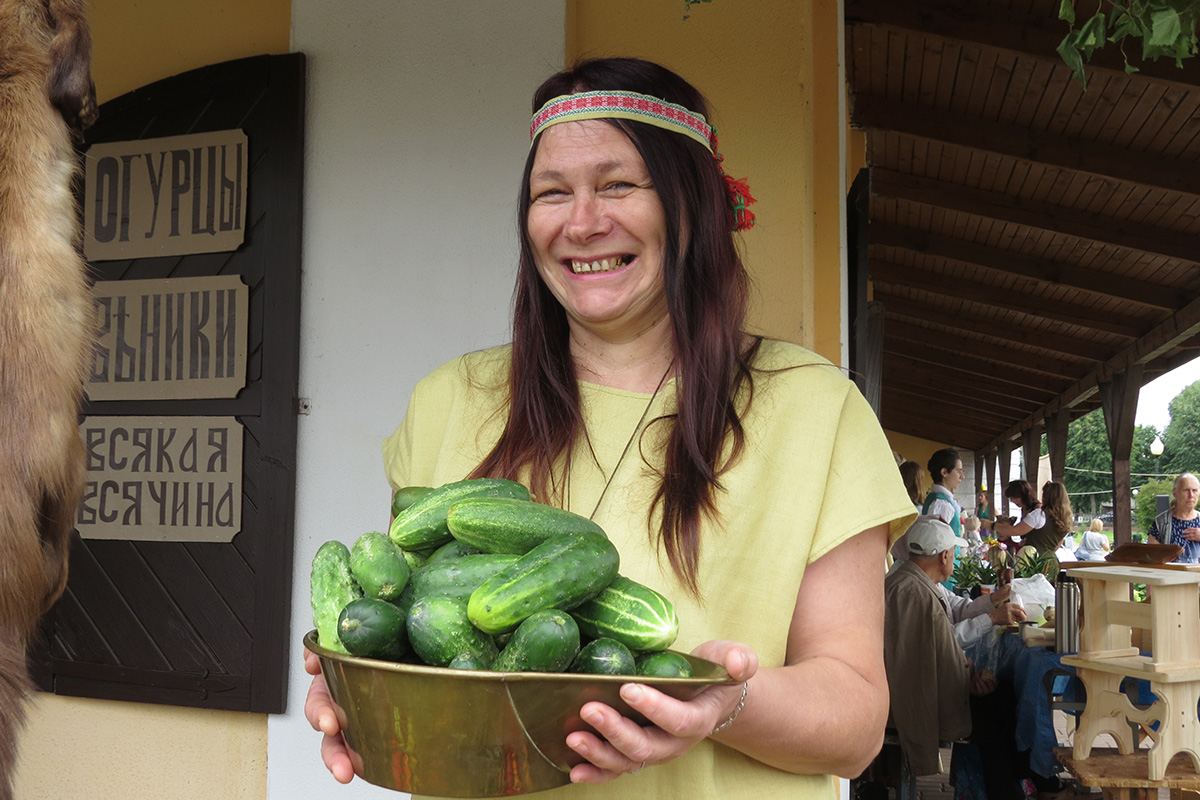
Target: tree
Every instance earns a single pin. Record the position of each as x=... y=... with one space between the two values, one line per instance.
x=1146 y=503
x=1089 y=460
x=1181 y=439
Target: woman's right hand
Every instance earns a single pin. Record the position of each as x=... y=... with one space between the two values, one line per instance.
x=324 y=716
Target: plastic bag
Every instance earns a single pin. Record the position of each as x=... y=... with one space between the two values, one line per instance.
x=1034 y=594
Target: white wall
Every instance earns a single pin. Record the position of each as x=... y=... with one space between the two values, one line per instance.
x=417 y=129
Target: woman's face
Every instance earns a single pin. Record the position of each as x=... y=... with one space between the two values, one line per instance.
x=1186 y=493
x=1016 y=500
x=954 y=477
x=597 y=230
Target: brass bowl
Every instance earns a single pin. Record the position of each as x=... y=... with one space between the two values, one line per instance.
x=464 y=733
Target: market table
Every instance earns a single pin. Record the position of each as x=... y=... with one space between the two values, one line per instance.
x=1126 y=777
x=1025 y=668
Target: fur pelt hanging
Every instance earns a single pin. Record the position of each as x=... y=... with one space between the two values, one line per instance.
x=46 y=325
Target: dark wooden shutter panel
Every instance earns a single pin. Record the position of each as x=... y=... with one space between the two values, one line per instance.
x=197 y=623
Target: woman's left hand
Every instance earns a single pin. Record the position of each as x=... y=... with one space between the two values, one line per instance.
x=627 y=747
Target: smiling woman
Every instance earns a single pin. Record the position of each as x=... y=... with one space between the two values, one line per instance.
x=714 y=460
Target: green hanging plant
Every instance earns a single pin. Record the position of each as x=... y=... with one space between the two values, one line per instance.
x=1166 y=28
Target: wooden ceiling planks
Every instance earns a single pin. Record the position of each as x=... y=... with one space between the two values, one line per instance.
x=1014 y=213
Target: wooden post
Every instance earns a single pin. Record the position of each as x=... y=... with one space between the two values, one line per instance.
x=1056 y=438
x=990 y=466
x=1031 y=451
x=1119 y=401
x=1005 y=471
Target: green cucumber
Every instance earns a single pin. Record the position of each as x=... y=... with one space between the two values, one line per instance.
x=452 y=549
x=509 y=525
x=423 y=524
x=458 y=576
x=406 y=496
x=604 y=657
x=663 y=664
x=561 y=572
x=373 y=628
x=466 y=661
x=333 y=586
x=439 y=632
x=632 y=613
x=415 y=558
x=545 y=642
x=379 y=566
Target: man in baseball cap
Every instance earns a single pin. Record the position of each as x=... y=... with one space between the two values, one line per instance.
x=929 y=536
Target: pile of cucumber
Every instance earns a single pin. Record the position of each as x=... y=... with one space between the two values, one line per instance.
x=476 y=575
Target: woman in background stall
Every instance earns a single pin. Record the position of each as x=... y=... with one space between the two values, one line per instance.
x=1094 y=546
x=1180 y=524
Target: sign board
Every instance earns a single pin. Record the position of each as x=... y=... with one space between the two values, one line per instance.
x=169 y=339
x=165 y=197
x=170 y=479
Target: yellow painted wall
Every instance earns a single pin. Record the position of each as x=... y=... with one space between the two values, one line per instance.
x=74 y=747
x=771 y=72
x=137 y=42
x=913 y=448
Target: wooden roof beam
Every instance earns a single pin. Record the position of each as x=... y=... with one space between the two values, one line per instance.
x=917 y=380
x=920 y=426
x=985 y=370
x=1064 y=152
x=967 y=419
x=978 y=322
x=971 y=400
x=1078 y=314
x=945 y=374
x=998 y=353
x=1164 y=337
x=1049 y=273
x=996 y=28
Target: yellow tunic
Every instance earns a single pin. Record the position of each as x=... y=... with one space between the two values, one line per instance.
x=815 y=471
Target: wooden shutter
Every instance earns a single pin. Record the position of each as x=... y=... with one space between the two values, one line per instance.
x=197 y=623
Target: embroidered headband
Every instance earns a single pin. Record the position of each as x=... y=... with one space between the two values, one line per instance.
x=652 y=111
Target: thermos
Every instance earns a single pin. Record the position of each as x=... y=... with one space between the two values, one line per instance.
x=1066 y=614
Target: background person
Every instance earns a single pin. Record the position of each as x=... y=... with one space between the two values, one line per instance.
x=983 y=508
x=631 y=393
x=911 y=475
x=946 y=470
x=928 y=674
x=1021 y=494
x=1180 y=524
x=1094 y=545
x=1059 y=519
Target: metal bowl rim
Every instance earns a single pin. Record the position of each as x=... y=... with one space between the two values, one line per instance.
x=719 y=675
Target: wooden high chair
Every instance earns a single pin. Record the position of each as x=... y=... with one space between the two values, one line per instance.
x=1106 y=656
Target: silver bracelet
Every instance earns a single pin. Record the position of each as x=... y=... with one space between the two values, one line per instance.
x=736 y=710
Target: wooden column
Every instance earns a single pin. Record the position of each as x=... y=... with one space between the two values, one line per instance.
x=979 y=461
x=1056 y=438
x=1031 y=450
x=991 y=476
x=1005 y=471
x=1119 y=400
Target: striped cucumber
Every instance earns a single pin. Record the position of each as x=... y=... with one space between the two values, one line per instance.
x=422 y=525
x=511 y=525
x=633 y=614
x=561 y=572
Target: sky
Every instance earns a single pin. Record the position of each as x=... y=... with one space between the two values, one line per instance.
x=1156 y=395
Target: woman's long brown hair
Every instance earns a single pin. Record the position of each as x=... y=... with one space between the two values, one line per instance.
x=706 y=288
